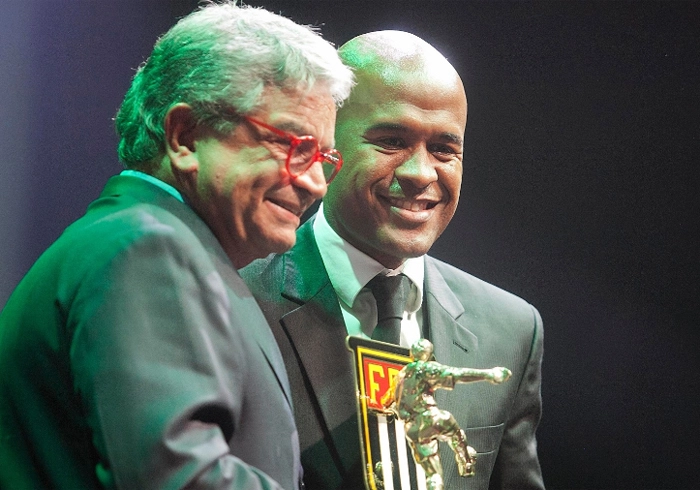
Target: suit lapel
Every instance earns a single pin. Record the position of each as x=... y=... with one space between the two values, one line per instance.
x=447 y=322
x=269 y=348
x=318 y=326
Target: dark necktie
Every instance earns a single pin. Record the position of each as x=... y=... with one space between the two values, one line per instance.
x=391 y=293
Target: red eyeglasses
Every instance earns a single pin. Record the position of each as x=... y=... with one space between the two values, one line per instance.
x=304 y=152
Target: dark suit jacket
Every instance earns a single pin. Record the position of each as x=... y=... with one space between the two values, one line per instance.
x=471 y=324
x=132 y=355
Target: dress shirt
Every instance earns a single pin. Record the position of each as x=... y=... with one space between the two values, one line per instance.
x=350 y=270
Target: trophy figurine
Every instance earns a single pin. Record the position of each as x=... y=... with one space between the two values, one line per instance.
x=411 y=398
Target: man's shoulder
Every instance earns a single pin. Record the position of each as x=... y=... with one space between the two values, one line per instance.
x=468 y=287
x=117 y=229
x=120 y=223
x=264 y=274
x=120 y=220
x=456 y=278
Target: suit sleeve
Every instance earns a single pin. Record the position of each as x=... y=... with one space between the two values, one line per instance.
x=517 y=465
x=160 y=366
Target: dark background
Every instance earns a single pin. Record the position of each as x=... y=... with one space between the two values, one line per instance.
x=580 y=187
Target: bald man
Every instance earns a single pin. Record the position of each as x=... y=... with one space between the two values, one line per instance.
x=401 y=136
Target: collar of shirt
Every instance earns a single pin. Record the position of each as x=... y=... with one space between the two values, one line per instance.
x=157 y=182
x=349 y=270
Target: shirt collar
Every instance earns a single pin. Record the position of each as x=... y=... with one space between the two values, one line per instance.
x=349 y=269
x=157 y=182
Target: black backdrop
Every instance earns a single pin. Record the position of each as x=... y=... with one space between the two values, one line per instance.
x=579 y=190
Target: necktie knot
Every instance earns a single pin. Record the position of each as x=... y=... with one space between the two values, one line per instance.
x=391 y=293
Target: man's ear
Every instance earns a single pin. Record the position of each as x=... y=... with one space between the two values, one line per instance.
x=180 y=132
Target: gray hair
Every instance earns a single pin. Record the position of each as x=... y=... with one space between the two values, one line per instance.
x=219 y=59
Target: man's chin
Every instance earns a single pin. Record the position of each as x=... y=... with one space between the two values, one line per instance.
x=280 y=244
x=407 y=245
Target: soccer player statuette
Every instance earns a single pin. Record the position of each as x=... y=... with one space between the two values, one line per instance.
x=411 y=399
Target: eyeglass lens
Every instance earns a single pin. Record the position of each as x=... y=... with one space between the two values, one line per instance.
x=304 y=154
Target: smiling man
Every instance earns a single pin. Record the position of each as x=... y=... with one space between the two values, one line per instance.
x=132 y=354
x=401 y=136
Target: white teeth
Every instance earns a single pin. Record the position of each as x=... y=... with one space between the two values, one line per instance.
x=409 y=205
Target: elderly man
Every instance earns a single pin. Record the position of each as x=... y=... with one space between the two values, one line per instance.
x=401 y=134
x=132 y=354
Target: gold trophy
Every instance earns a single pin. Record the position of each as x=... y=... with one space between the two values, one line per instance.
x=396 y=401
x=411 y=399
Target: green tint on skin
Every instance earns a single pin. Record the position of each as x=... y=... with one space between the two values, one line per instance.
x=401 y=136
x=238 y=183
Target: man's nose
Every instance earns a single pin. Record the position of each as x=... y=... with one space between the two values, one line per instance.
x=418 y=169
x=313 y=181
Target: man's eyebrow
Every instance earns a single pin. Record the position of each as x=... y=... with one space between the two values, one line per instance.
x=292 y=127
x=400 y=128
x=452 y=138
x=387 y=126
x=297 y=130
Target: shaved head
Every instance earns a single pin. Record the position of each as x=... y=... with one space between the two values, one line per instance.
x=397 y=57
